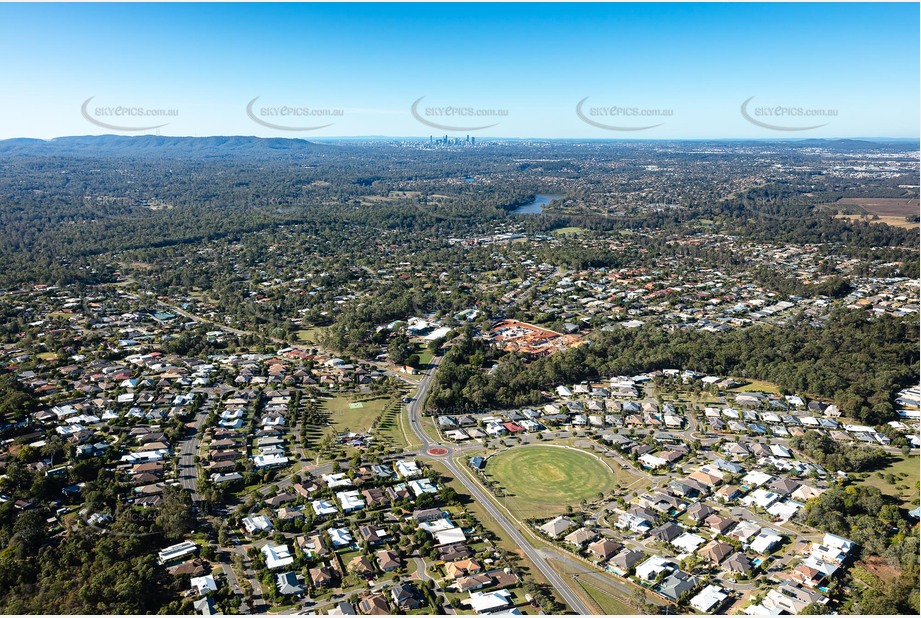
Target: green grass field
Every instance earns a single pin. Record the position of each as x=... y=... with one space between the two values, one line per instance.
x=756 y=386
x=391 y=427
x=906 y=475
x=605 y=601
x=567 y=230
x=541 y=481
x=309 y=335
x=343 y=416
x=425 y=357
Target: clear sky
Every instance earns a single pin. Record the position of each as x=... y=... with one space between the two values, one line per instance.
x=693 y=65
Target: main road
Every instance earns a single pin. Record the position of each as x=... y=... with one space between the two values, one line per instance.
x=414 y=409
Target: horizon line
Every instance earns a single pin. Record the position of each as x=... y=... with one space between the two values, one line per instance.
x=479 y=137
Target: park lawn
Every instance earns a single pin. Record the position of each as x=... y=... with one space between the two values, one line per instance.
x=906 y=487
x=47 y=356
x=567 y=230
x=541 y=481
x=425 y=356
x=342 y=416
x=756 y=386
x=393 y=427
x=309 y=335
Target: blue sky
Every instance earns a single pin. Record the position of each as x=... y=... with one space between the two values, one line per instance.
x=689 y=65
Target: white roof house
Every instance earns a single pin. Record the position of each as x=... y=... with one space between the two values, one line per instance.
x=407 y=469
x=452 y=535
x=422 y=486
x=756 y=478
x=785 y=510
x=339 y=479
x=179 y=550
x=324 y=507
x=766 y=540
x=256 y=524
x=276 y=556
x=708 y=598
x=649 y=569
x=834 y=549
x=350 y=500
x=436 y=525
x=651 y=461
x=689 y=542
x=489 y=602
x=266 y=461
x=781 y=451
x=203 y=585
x=761 y=497
x=340 y=537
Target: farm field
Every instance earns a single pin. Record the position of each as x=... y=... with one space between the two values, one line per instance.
x=540 y=481
x=888 y=220
x=883 y=206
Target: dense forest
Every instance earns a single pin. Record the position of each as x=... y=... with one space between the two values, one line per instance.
x=857 y=363
x=63 y=204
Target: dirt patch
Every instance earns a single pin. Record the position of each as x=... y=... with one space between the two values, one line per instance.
x=879 y=567
x=884 y=206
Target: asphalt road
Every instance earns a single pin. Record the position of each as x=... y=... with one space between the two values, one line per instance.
x=558 y=583
x=188 y=447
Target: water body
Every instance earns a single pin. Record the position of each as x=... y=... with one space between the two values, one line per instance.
x=537 y=206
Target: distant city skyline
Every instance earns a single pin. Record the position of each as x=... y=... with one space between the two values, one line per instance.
x=541 y=71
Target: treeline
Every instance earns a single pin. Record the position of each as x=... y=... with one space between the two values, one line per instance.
x=837 y=456
x=858 y=363
x=15 y=401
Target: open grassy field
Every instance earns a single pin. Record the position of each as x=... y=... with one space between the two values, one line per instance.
x=606 y=601
x=540 y=481
x=567 y=231
x=756 y=386
x=393 y=427
x=904 y=471
x=888 y=220
x=425 y=356
x=343 y=416
x=309 y=335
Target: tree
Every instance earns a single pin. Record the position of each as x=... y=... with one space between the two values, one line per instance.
x=176 y=517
